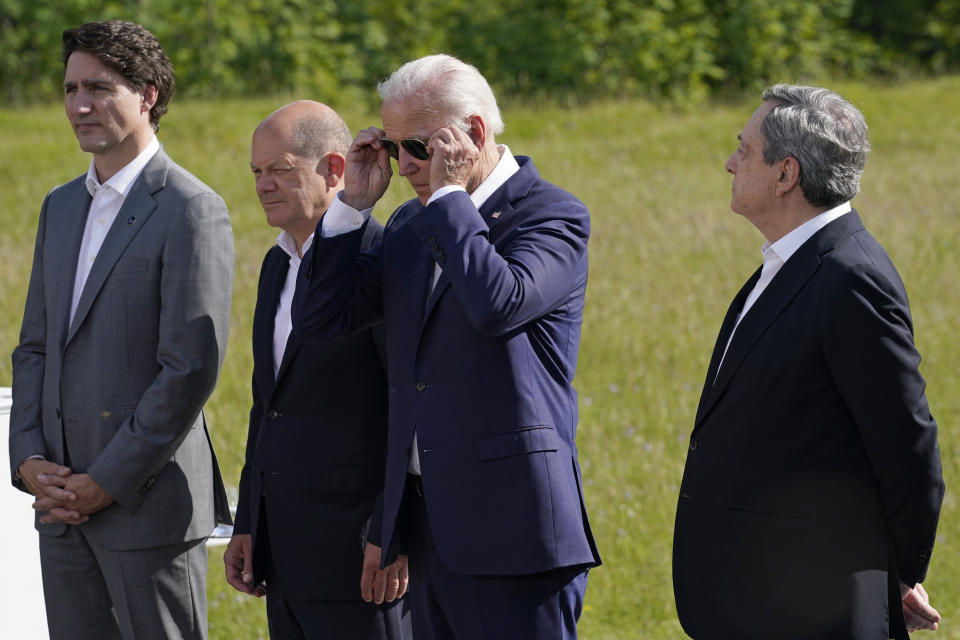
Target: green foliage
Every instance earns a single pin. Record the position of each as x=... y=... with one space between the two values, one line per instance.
x=337 y=50
x=666 y=257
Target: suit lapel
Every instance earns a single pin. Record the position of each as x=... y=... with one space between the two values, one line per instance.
x=65 y=258
x=785 y=286
x=137 y=208
x=264 y=322
x=728 y=323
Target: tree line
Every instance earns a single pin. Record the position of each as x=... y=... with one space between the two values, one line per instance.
x=676 y=49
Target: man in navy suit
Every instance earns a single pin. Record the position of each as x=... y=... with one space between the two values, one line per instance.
x=812 y=487
x=480 y=281
x=317 y=440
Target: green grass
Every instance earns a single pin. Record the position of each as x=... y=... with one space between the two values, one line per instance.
x=667 y=256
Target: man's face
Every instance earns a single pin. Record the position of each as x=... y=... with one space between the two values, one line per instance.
x=104 y=109
x=754 y=182
x=407 y=119
x=292 y=192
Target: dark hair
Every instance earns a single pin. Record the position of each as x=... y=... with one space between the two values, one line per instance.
x=130 y=50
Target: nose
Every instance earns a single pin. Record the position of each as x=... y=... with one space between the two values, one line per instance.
x=407 y=164
x=731 y=165
x=265 y=184
x=77 y=103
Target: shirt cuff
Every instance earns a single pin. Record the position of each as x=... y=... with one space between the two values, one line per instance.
x=442 y=191
x=341 y=218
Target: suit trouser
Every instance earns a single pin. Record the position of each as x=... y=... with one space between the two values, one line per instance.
x=449 y=606
x=308 y=619
x=95 y=593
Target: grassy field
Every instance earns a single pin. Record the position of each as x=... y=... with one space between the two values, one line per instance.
x=666 y=255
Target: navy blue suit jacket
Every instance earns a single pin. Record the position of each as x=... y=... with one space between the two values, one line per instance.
x=813 y=483
x=482 y=367
x=316 y=450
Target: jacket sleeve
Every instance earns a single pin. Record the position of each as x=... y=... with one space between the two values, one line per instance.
x=341 y=293
x=536 y=271
x=868 y=340
x=29 y=358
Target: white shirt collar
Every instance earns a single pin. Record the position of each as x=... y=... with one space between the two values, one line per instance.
x=122 y=180
x=788 y=244
x=286 y=242
x=500 y=174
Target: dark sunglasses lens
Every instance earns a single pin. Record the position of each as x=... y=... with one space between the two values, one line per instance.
x=416 y=148
x=391 y=147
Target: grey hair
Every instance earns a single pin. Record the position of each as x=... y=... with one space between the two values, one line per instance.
x=453 y=89
x=826 y=134
x=316 y=136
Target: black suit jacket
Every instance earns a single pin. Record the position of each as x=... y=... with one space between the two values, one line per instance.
x=813 y=481
x=316 y=450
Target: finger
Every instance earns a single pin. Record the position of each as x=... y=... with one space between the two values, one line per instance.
x=391 y=583
x=52 y=479
x=379 y=586
x=56 y=493
x=366 y=583
x=65 y=516
x=919 y=613
x=247 y=569
x=403 y=577
x=44 y=503
x=922 y=592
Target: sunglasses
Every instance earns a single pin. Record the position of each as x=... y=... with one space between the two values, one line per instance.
x=414 y=146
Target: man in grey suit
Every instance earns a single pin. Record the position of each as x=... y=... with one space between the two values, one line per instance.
x=123 y=334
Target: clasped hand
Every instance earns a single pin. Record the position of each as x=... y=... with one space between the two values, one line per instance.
x=65 y=496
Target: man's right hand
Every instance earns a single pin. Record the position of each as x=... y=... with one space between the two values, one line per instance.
x=31 y=468
x=368 y=170
x=238 y=564
x=917 y=612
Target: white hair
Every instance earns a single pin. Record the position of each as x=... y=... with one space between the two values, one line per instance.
x=451 y=88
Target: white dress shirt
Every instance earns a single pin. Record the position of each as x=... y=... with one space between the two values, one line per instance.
x=345 y=218
x=776 y=254
x=107 y=200
x=282 y=324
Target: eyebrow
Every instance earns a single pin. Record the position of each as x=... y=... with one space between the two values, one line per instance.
x=87 y=82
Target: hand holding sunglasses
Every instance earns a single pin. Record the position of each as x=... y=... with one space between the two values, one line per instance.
x=367 y=173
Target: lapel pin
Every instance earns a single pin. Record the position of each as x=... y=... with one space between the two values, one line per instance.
x=495 y=215
x=131 y=220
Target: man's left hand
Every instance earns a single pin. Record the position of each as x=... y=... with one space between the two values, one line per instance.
x=90 y=498
x=382 y=585
x=452 y=158
x=917 y=612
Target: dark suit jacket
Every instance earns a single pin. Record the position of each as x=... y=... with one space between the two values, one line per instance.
x=315 y=450
x=118 y=392
x=813 y=481
x=483 y=369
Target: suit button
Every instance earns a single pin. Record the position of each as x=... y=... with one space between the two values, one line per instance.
x=147 y=485
x=273 y=414
x=58 y=413
x=694 y=444
x=421 y=387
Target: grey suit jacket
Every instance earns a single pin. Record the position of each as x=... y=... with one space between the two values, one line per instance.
x=118 y=392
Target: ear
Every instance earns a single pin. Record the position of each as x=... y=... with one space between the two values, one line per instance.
x=332 y=167
x=789 y=176
x=148 y=97
x=478 y=130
